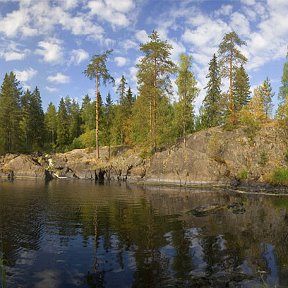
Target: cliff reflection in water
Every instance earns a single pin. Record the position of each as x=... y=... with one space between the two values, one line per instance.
x=78 y=234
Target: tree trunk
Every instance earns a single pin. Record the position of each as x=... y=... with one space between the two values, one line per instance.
x=155 y=104
x=231 y=102
x=97 y=119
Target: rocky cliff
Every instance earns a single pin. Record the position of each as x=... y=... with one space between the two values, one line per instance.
x=213 y=156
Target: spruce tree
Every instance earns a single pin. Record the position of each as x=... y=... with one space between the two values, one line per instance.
x=187 y=91
x=212 y=110
x=75 y=120
x=62 y=125
x=38 y=126
x=229 y=58
x=26 y=120
x=267 y=96
x=87 y=114
x=51 y=123
x=241 y=88
x=10 y=114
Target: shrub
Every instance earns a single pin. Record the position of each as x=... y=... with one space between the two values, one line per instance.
x=263 y=158
x=243 y=174
x=279 y=177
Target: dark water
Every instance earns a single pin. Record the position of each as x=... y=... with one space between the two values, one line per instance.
x=78 y=234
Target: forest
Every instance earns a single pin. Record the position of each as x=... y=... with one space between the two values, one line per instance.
x=150 y=119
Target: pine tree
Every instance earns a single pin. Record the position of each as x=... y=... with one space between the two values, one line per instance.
x=241 y=88
x=230 y=56
x=212 y=110
x=10 y=114
x=97 y=69
x=187 y=91
x=51 y=123
x=62 y=125
x=267 y=95
x=153 y=78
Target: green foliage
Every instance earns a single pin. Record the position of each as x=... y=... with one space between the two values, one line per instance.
x=279 y=177
x=62 y=125
x=187 y=91
x=266 y=95
x=211 y=113
x=85 y=140
x=32 y=121
x=263 y=158
x=154 y=83
x=243 y=174
x=283 y=90
x=241 y=88
x=10 y=114
x=229 y=57
x=50 y=120
x=97 y=69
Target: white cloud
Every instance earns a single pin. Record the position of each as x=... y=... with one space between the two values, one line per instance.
x=142 y=36
x=78 y=56
x=59 y=78
x=42 y=17
x=129 y=44
x=120 y=61
x=225 y=10
x=51 y=50
x=178 y=48
x=11 y=51
x=25 y=75
x=240 y=24
x=68 y=4
x=13 y=22
x=248 y=2
x=51 y=89
x=113 y=11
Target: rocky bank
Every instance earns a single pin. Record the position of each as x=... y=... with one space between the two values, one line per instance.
x=214 y=156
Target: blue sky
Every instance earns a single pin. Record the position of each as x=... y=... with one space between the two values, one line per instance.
x=49 y=43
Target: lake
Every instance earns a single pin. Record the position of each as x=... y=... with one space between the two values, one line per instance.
x=82 y=234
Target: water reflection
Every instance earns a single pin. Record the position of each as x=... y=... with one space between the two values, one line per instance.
x=78 y=234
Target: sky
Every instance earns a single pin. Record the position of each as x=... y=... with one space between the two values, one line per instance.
x=49 y=43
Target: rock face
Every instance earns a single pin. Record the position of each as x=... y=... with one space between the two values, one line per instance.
x=22 y=166
x=213 y=156
x=216 y=155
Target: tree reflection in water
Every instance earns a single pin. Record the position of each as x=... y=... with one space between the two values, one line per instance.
x=81 y=235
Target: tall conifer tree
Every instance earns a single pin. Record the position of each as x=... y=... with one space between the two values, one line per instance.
x=241 y=88
x=62 y=125
x=97 y=69
x=10 y=114
x=153 y=78
x=211 y=114
x=267 y=95
x=187 y=91
x=51 y=123
x=229 y=59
